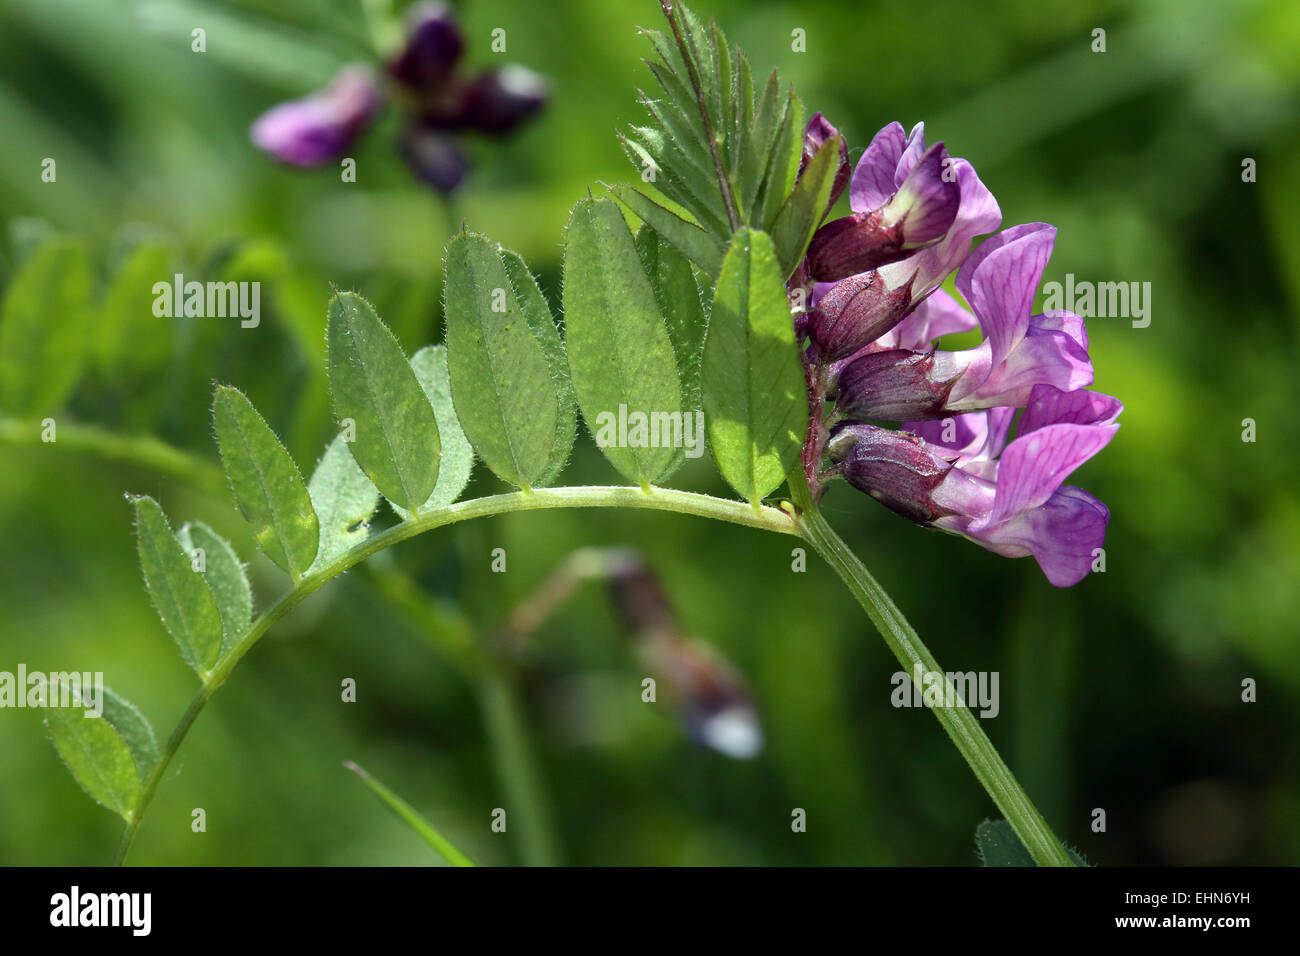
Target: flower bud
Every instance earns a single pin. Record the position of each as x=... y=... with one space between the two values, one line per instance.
x=917 y=215
x=433 y=47
x=899 y=385
x=815 y=135
x=854 y=313
x=896 y=468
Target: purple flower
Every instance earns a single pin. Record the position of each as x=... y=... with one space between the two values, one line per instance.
x=903 y=196
x=1019 y=352
x=320 y=127
x=1009 y=498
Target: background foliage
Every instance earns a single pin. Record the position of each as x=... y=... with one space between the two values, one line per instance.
x=1122 y=693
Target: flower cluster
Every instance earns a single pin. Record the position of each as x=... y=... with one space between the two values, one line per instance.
x=875 y=318
x=437 y=104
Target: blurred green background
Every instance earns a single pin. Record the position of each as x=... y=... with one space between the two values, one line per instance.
x=1123 y=693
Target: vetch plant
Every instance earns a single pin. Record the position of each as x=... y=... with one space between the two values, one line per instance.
x=796 y=339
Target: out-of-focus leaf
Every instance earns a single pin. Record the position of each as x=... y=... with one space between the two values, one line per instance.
x=44 y=328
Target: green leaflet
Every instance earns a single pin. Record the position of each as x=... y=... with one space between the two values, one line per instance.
x=134 y=729
x=266 y=483
x=794 y=224
x=397 y=443
x=224 y=573
x=997 y=845
x=131 y=342
x=96 y=756
x=783 y=164
x=180 y=594
x=699 y=246
x=619 y=349
x=508 y=375
x=430 y=364
x=44 y=323
x=542 y=324
x=372 y=384
x=754 y=394
x=343 y=498
x=678 y=296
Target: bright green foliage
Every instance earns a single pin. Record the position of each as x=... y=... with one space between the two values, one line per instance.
x=266 y=483
x=753 y=384
x=430 y=364
x=714 y=150
x=96 y=756
x=373 y=386
x=343 y=498
x=509 y=380
x=180 y=594
x=224 y=573
x=619 y=348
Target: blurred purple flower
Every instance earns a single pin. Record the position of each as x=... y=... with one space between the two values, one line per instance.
x=438 y=104
x=319 y=127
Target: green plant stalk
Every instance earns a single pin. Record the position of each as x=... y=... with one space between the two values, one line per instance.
x=516 y=768
x=959 y=723
x=408 y=813
x=592 y=496
x=450 y=632
x=141 y=451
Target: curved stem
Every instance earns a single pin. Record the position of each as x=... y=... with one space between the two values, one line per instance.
x=959 y=723
x=142 y=451
x=590 y=496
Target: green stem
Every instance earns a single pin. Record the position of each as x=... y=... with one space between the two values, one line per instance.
x=590 y=496
x=141 y=451
x=517 y=769
x=961 y=725
x=965 y=731
x=449 y=631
